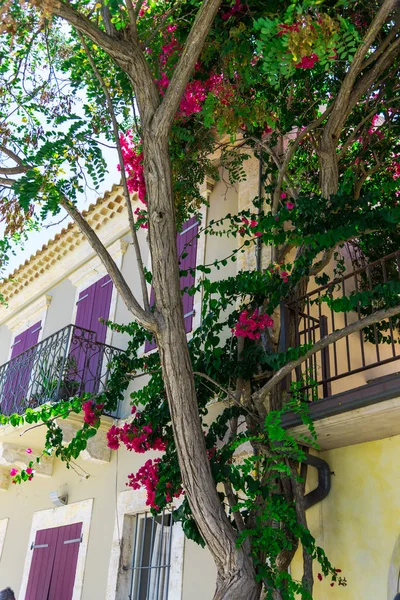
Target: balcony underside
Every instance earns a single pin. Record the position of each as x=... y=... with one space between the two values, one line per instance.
x=367 y=413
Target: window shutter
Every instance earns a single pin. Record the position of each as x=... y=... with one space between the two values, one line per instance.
x=42 y=564
x=186 y=242
x=19 y=371
x=93 y=304
x=66 y=558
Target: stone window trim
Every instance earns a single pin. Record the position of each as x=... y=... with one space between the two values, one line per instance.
x=57 y=517
x=3 y=532
x=131 y=503
x=28 y=316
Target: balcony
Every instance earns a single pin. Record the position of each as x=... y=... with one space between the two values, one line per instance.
x=68 y=363
x=355 y=380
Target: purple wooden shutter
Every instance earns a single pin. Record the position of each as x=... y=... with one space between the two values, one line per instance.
x=66 y=558
x=40 y=573
x=186 y=242
x=19 y=370
x=93 y=304
x=101 y=307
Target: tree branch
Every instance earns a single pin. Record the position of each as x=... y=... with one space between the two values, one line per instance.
x=13 y=170
x=341 y=104
x=128 y=202
x=383 y=45
x=126 y=53
x=7 y=182
x=290 y=152
x=321 y=264
x=11 y=155
x=81 y=22
x=372 y=75
x=166 y=112
x=144 y=318
x=376 y=317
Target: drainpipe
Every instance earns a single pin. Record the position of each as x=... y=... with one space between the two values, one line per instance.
x=324 y=481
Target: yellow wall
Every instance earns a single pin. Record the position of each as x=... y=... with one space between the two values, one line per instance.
x=358 y=524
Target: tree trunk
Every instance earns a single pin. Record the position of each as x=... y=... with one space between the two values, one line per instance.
x=329 y=167
x=239 y=586
x=234 y=566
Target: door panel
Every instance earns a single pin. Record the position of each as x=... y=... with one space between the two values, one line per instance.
x=44 y=551
x=66 y=558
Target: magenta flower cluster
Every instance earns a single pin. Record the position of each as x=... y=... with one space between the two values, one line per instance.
x=308 y=62
x=251 y=325
x=91 y=412
x=148 y=478
x=135 y=436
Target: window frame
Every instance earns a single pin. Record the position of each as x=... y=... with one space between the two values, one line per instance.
x=57 y=517
x=141 y=571
x=130 y=503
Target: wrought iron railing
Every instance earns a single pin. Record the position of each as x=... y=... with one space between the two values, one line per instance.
x=65 y=364
x=309 y=318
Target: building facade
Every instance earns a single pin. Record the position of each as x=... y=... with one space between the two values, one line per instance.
x=81 y=533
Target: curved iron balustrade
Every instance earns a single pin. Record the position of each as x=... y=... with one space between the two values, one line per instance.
x=68 y=363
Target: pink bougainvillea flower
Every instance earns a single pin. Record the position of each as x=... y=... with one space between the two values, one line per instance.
x=13 y=472
x=28 y=450
x=308 y=62
x=251 y=326
x=267 y=130
x=283 y=195
x=29 y=471
x=284 y=275
x=290 y=205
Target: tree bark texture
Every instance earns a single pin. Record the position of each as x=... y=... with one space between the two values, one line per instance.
x=236 y=576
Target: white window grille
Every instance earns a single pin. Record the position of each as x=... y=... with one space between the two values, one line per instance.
x=151 y=557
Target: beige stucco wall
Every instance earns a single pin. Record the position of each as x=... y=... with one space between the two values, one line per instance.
x=5 y=343
x=60 y=310
x=199 y=573
x=358 y=524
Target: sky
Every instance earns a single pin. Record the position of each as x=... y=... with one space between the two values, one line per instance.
x=54 y=225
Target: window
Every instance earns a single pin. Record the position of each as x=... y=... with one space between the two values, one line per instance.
x=151 y=557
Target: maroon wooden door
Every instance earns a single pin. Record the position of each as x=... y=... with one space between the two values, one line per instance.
x=89 y=333
x=66 y=558
x=44 y=551
x=54 y=560
x=186 y=243
x=19 y=370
